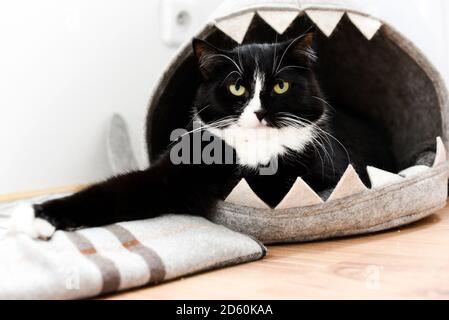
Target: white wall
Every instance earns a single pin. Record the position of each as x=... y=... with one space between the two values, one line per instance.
x=67 y=65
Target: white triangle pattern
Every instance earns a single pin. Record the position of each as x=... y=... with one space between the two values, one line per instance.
x=367 y=25
x=413 y=171
x=441 y=155
x=380 y=178
x=278 y=20
x=236 y=27
x=348 y=185
x=300 y=195
x=243 y=195
x=325 y=20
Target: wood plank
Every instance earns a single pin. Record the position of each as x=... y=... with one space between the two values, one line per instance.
x=407 y=263
x=41 y=192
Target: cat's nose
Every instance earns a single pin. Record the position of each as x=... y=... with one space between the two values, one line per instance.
x=261 y=114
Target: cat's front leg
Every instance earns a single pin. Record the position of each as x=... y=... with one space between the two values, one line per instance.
x=163 y=188
x=24 y=220
x=93 y=206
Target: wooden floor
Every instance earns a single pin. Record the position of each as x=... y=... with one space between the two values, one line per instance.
x=409 y=263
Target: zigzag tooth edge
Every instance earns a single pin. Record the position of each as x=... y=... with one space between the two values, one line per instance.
x=278 y=20
x=348 y=185
x=380 y=178
x=236 y=27
x=441 y=155
x=300 y=195
x=243 y=195
x=325 y=20
x=367 y=26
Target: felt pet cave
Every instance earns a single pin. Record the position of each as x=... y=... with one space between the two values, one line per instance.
x=363 y=63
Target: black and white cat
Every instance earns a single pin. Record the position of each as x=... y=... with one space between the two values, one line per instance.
x=264 y=102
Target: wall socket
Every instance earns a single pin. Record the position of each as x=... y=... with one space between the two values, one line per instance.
x=179 y=19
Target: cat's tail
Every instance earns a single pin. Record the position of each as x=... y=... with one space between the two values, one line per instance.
x=121 y=156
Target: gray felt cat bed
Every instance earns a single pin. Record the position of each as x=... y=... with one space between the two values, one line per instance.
x=363 y=62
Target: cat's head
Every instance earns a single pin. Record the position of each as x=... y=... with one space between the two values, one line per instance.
x=258 y=85
x=262 y=99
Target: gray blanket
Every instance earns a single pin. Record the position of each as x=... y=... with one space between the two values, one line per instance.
x=96 y=261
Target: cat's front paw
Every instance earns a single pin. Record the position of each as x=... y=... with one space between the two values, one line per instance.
x=23 y=220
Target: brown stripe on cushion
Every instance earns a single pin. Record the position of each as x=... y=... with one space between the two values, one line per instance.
x=155 y=265
x=108 y=270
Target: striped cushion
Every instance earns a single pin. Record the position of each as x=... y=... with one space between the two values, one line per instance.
x=96 y=261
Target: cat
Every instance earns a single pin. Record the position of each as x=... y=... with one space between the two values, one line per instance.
x=268 y=89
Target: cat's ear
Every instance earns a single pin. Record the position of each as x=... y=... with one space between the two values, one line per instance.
x=209 y=57
x=302 y=48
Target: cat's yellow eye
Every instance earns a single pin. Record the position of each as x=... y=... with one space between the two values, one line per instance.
x=237 y=90
x=281 y=87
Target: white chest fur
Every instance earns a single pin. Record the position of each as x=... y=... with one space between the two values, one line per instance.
x=258 y=146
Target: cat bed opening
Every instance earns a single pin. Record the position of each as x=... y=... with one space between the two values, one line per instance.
x=364 y=66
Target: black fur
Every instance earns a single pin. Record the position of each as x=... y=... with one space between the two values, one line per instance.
x=195 y=188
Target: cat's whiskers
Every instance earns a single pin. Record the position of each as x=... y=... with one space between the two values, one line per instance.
x=321 y=134
x=316 y=140
x=196 y=113
x=324 y=101
x=288 y=47
x=310 y=54
x=231 y=73
x=321 y=131
x=314 y=144
x=326 y=134
x=293 y=158
x=232 y=60
x=240 y=60
x=275 y=53
x=285 y=52
x=218 y=124
x=314 y=125
x=301 y=123
x=290 y=67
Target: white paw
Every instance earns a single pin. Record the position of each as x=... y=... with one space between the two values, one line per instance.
x=23 y=220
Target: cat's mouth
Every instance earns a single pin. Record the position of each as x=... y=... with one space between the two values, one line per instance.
x=258 y=126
